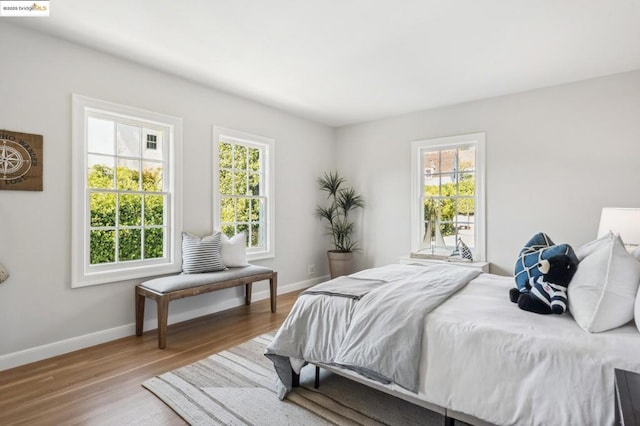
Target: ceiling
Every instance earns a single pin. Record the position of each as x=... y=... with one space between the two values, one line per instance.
x=340 y=62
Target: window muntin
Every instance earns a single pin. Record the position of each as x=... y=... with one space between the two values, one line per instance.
x=243 y=195
x=448 y=195
x=126 y=206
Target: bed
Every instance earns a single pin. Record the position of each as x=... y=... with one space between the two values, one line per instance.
x=481 y=359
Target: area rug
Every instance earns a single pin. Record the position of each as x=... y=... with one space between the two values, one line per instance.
x=237 y=387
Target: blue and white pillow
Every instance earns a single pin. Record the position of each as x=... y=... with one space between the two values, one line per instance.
x=538 y=248
x=201 y=254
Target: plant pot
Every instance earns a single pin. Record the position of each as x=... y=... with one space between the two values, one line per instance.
x=340 y=263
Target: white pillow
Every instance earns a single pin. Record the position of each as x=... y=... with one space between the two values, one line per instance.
x=637 y=313
x=636 y=253
x=201 y=255
x=594 y=245
x=602 y=292
x=234 y=251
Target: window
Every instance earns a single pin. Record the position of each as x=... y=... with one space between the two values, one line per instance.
x=152 y=141
x=126 y=206
x=243 y=192
x=448 y=200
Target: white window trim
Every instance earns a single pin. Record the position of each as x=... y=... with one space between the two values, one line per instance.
x=417 y=187
x=269 y=184
x=83 y=274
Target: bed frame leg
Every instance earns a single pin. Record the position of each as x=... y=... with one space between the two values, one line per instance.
x=449 y=421
x=295 y=379
x=317 y=383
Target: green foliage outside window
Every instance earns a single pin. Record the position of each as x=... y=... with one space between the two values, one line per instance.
x=441 y=202
x=241 y=203
x=127 y=219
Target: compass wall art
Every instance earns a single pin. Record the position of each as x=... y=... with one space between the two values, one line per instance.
x=20 y=161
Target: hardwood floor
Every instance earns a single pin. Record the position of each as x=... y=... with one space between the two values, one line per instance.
x=101 y=385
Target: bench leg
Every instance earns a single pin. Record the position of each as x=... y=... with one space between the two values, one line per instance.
x=163 y=315
x=273 y=290
x=140 y=299
x=247 y=293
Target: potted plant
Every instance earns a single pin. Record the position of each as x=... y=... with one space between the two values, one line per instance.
x=342 y=201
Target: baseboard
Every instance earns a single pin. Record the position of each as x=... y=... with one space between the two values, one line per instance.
x=49 y=350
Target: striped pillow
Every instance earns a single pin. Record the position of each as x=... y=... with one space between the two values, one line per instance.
x=201 y=255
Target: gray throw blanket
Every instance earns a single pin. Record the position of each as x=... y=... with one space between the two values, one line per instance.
x=379 y=335
x=353 y=288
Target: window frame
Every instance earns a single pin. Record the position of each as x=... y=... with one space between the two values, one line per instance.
x=478 y=140
x=267 y=147
x=82 y=272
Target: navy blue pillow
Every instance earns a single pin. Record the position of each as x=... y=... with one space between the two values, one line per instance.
x=539 y=247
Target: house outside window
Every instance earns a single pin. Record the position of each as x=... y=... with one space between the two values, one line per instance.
x=126 y=200
x=243 y=189
x=152 y=141
x=448 y=195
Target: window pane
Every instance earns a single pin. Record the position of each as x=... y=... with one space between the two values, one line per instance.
x=256 y=210
x=448 y=232
x=127 y=174
x=254 y=159
x=447 y=209
x=256 y=235
x=128 y=140
x=152 y=149
x=130 y=208
x=467 y=234
x=467 y=159
x=226 y=183
x=254 y=184
x=240 y=183
x=432 y=189
x=431 y=163
x=102 y=247
x=130 y=244
x=153 y=243
x=100 y=171
x=154 y=209
x=224 y=155
x=103 y=209
x=447 y=160
x=229 y=230
x=240 y=157
x=466 y=208
x=227 y=210
x=152 y=176
x=100 y=136
x=242 y=213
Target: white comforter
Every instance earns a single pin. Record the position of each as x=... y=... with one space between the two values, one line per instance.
x=378 y=336
x=484 y=357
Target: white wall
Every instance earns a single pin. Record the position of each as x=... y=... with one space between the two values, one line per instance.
x=555 y=157
x=37 y=77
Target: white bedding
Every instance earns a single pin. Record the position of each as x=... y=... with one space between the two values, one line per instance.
x=379 y=335
x=484 y=357
x=487 y=358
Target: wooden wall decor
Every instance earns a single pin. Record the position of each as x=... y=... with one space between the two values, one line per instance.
x=20 y=161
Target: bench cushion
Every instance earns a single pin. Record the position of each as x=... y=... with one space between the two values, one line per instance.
x=182 y=281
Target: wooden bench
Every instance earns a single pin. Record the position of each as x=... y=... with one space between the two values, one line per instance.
x=165 y=289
